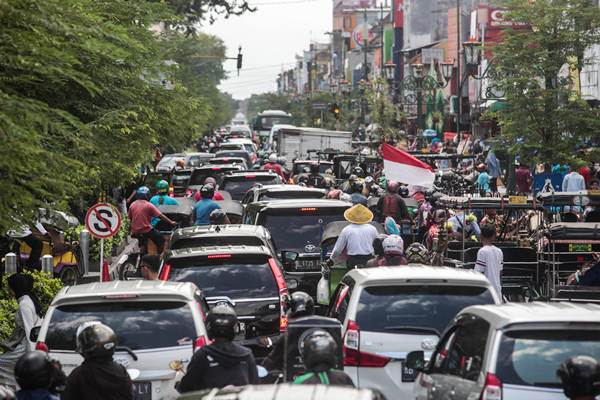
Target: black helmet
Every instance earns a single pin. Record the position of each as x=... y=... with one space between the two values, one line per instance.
x=403 y=191
x=319 y=351
x=301 y=305
x=94 y=339
x=207 y=191
x=428 y=194
x=34 y=370
x=580 y=376
x=221 y=322
x=358 y=171
x=314 y=169
x=218 y=217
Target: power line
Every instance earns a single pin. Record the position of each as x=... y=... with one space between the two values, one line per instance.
x=263 y=66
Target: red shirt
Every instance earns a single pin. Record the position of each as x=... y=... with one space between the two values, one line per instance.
x=274 y=167
x=140 y=214
x=587 y=175
x=216 y=197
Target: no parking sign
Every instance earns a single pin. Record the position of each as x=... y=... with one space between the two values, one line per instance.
x=103 y=220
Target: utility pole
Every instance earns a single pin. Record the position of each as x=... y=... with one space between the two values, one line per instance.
x=365 y=35
x=382 y=38
x=458 y=73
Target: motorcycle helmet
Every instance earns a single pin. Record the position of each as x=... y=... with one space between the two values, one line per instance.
x=369 y=179
x=358 y=171
x=142 y=192
x=580 y=376
x=162 y=186
x=221 y=322
x=416 y=253
x=210 y=181
x=273 y=158
x=33 y=370
x=301 y=305
x=207 y=191
x=393 y=245
x=393 y=186
x=94 y=339
x=439 y=216
x=281 y=160
x=319 y=351
x=218 y=217
x=404 y=191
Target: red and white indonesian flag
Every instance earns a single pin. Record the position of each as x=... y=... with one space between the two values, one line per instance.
x=402 y=167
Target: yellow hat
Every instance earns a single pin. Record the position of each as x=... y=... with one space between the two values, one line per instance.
x=358 y=214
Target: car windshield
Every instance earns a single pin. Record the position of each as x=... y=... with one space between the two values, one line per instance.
x=531 y=357
x=138 y=325
x=234 y=276
x=291 y=194
x=419 y=309
x=203 y=241
x=238 y=186
x=181 y=178
x=168 y=162
x=199 y=176
x=196 y=161
x=242 y=154
x=296 y=229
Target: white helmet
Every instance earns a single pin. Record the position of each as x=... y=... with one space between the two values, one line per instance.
x=273 y=158
x=393 y=244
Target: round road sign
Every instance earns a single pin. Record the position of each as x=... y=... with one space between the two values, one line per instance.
x=103 y=220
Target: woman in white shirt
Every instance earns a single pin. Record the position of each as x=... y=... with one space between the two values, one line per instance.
x=27 y=316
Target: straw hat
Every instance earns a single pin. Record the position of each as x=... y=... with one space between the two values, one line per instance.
x=358 y=214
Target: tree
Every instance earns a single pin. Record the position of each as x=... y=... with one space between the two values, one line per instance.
x=546 y=119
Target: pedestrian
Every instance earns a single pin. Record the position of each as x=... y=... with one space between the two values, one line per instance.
x=28 y=315
x=580 y=377
x=356 y=239
x=205 y=206
x=221 y=363
x=99 y=377
x=149 y=267
x=573 y=181
x=490 y=259
x=483 y=180
x=39 y=377
x=319 y=355
x=523 y=180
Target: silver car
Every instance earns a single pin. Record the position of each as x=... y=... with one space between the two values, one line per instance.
x=388 y=312
x=157 y=323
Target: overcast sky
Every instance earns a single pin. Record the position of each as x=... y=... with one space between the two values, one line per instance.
x=270 y=37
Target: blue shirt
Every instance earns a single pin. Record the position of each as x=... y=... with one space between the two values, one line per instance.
x=483 y=182
x=166 y=201
x=202 y=211
x=493 y=165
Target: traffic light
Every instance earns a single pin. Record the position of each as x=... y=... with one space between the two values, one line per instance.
x=239 y=60
x=335 y=110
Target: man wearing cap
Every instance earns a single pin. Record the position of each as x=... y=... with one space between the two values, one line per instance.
x=356 y=239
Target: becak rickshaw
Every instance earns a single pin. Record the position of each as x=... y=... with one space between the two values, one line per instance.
x=332 y=275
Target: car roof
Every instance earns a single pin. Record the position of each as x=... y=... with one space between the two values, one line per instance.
x=503 y=315
x=142 y=288
x=286 y=187
x=250 y=172
x=201 y=154
x=284 y=391
x=417 y=272
x=239 y=141
x=221 y=230
x=299 y=203
x=208 y=250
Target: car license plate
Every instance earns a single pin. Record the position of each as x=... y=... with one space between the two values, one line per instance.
x=580 y=247
x=142 y=390
x=408 y=374
x=307 y=265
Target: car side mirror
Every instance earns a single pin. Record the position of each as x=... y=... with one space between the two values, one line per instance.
x=34 y=333
x=416 y=360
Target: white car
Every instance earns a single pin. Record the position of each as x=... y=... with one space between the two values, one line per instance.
x=509 y=351
x=388 y=312
x=156 y=323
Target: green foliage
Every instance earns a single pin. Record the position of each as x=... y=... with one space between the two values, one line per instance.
x=45 y=288
x=110 y=244
x=383 y=111
x=83 y=99
x=536 y=67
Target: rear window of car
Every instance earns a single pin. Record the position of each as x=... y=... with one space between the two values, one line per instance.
x=198 y=177
x=290 y=194
x=292 y=229
x=138 y=325
x=238 y=185
x=531 y=357
x=234 y=276
x=216 y=241
x=423 y=309
x=181 y=178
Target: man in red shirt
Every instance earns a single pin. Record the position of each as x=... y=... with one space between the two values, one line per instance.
x=273 y=166
x=523 y=180
x=209 y=181
x=140 y=215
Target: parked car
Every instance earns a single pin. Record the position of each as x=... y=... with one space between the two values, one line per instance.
x=238 y=183
x=296 y=227
x=509 y=351
x=247 y=277
x=282 y=192
x=387 y=312
x=155 y=322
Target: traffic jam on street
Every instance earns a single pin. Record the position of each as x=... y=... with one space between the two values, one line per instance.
x=413 y=213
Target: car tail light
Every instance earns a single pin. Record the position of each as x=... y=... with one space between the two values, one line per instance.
x=492 y=389
x=164 y=272
x=200 y=342
x=216 y=168
x=353 y=357
x=283 y=293
x=308 y=209
x=41 y=346
x=215 y=256
x=250 y=176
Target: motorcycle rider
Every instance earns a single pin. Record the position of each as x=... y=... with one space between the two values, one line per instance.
x=580 y=377
x=39 y=377
x=392 y=204
x=205 y=206
x=301 y=305
x=416 y=253
x=319 y=351
x=99 y=377
x=222 y=362
x=272 y=165
x=162 y=198
x=315 y=179
x=141 y=212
